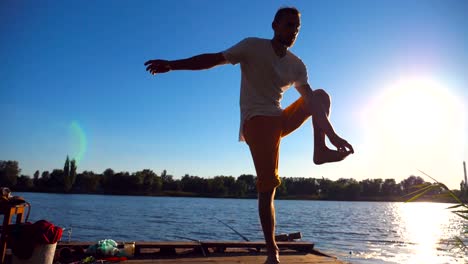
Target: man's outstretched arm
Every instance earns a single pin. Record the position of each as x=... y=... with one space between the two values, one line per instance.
x=199 y=62
x=315 y=108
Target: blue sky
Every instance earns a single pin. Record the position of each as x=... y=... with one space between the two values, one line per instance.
x=72 y=81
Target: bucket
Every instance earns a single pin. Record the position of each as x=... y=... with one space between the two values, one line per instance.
x=42 y=254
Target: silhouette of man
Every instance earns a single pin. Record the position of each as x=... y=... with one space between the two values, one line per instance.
x=268 y=69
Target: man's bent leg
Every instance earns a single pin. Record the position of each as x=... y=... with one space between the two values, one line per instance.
x=297 y=113
x=266 y=210
x=322 y=154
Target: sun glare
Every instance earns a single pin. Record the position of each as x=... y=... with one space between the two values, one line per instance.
x=414 y=123
x=415 y=112
x=424 y=226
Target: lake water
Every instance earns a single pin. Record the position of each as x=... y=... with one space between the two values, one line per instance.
x=357 y=232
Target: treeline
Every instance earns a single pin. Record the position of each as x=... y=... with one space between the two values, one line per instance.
x=147 y=182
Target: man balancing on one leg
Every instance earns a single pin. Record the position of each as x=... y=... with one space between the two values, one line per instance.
x=268 y=69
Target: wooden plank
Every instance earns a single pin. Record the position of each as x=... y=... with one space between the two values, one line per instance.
x=166 y=244
x=189 y=244
x=290 y=259
x=75 y=243
x=237 y=244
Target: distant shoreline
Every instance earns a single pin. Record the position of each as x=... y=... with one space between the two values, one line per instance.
x=147 y=183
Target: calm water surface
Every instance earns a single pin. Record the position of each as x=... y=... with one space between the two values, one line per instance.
x=358 y=232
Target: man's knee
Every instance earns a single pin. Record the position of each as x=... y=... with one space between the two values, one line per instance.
x=267 y=184
x=324 y=98
x=266 y=197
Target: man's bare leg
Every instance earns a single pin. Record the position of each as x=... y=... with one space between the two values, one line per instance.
x=322 y=154
x=266 y=210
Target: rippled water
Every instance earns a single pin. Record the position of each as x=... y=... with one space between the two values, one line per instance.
x=358 y=232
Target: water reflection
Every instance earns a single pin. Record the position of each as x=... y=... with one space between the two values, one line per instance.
x=426 y=228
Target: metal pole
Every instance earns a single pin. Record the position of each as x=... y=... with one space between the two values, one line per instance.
x=464 y=169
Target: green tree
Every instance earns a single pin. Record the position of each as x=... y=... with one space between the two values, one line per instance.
x=66 y=167
x=336 y=190
x=371 y=187
x=56 y=180
x=168 y=182
x=148 y=181
x=36 y=178
x=239 y=189
x=194 y=184
x=282 y=190
x=134 y=183
x=108 y=179
x=352 y=189
x=216 y=186
x=24 y=183
x=249 y=181
x=123 y=183
x=44 y=180
x=67 y=181
x=229 y=184
x=9 y=172
x=390 y=187
x=157 y=184
x=73 y=169
x=87 y=182
x=325 y=188
x=411 y=183
x=300 y=186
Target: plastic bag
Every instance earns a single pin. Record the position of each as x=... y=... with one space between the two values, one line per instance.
x=106 y=247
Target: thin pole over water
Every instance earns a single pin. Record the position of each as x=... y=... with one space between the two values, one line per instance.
x=464 y=169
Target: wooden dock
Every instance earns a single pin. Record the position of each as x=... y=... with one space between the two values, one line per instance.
x=210 y=252
x=286 y=259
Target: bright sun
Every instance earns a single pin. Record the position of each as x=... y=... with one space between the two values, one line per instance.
x=417 y=112
x=415 y=119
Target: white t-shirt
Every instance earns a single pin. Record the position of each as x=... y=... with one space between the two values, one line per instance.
x=265 y=77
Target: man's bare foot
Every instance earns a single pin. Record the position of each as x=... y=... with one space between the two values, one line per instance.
x=273 y=256
x=325 y=155
x=272 y=259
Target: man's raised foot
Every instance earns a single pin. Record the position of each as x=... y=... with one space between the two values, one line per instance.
x=326 y=155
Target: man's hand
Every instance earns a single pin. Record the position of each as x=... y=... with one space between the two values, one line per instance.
x=157 y=66
x=341 y=144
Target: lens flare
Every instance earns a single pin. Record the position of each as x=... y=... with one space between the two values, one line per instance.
x=78 y=142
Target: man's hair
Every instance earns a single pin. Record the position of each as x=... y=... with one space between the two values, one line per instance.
x=286 y=10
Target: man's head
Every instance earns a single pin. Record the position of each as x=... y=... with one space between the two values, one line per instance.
x=286 y=25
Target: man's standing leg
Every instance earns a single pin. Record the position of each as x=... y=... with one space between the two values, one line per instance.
x=263 y=135
x=266 y=210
